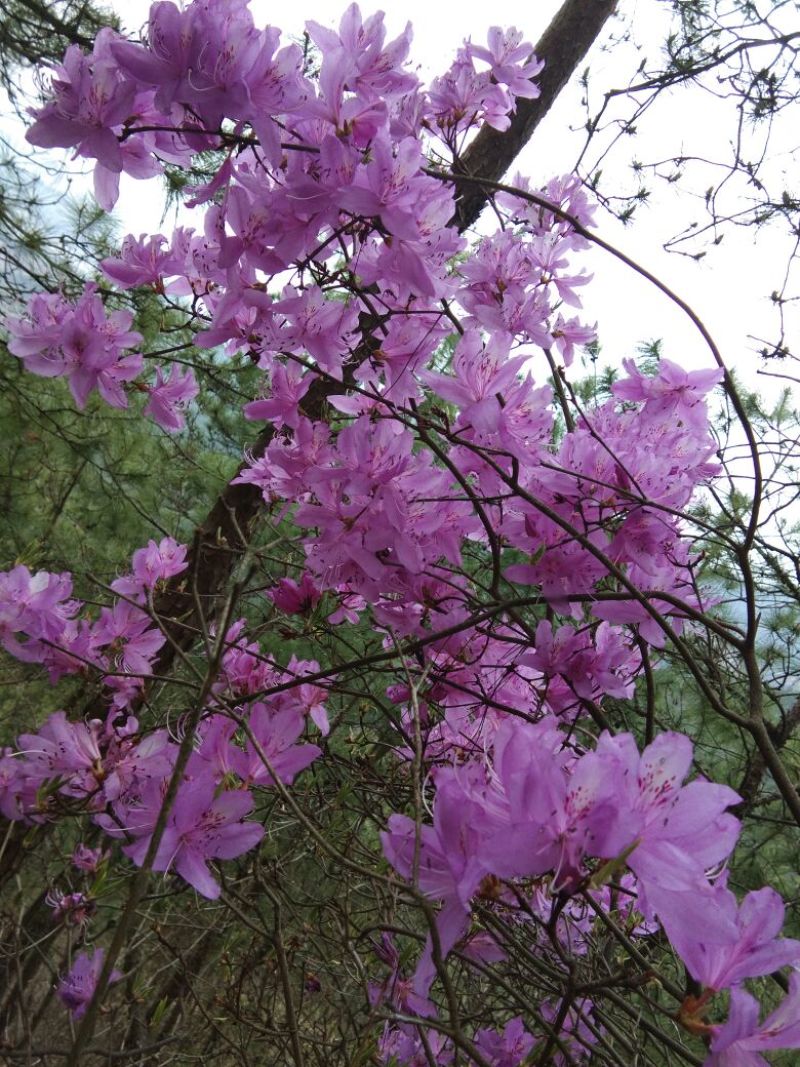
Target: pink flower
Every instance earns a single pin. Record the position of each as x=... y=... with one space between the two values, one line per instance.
x=203 y=824
x=76 y=989
x=88 y=859
x=277 y=733
x=288 y=387
x=143 y=261
x=741 y=1040
x=357 y=53
x=511 y=61
x=131 y=636
x=69 y=751
x=78 y=341
x=37 y=606
x=755 y=949
x=159 y=562
x=74 y=909
x=672 y=391
x=506 y=1048
x=91 y=101
x=294 y=598
x=170 y=396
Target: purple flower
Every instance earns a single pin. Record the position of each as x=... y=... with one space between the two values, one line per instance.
x=69 y=751
x=741 y=1040
x=481 y=373
x=395 y=988
x=90 y=99
x=756 y=949
x=294 y=598
x=682 y=832
x=319 y=326
x=403 y=1045
x=77 y=988
x=158 y=562
x=511 y=60
x=126 y=629
x=170 y=396
x=358 y=57
x=37 y=606
x=144 y=261
x=203 y=824
x=506 y=1048
x=450 y=866
x=671 y=392
x=74 y=909
x=568 y=333
x=277 y=733
x=462 y=98
x=289 y=384
x=78 y=341
x=88 y=859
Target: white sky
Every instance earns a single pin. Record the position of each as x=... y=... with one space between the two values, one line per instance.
x=729 y=291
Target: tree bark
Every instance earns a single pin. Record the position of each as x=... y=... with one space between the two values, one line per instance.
x=757 y=767
x=563 y=46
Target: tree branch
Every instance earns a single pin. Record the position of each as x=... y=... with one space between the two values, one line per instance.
x=562 y=46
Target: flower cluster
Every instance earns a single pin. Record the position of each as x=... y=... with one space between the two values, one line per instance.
x=80 y=341
x=444 y=497
x=77 y=341
x=40 y=623
x=118 y=772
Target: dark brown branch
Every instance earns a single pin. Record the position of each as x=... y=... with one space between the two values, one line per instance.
x=757 y=765
x=562 y=46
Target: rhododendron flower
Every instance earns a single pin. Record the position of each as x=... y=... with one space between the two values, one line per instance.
x=403 y=1045
x=126 y=629
x=671 y=391
x=276 y=734
x=75 y=909
x=88 y=859
x=169 y=397
x=203 y=824
x=295 y=598
x=158 y=562
x=327 y=257
x=36 y=606
x=282 y=408
x=66 y=750
x=506 y=1048
x=756 y=949
x=92 y=99
x=447 y=866
x=79 y=341
x=511 y=61
x=365 y=64
x=569 y=333
x=145 y=261
x=741 y=1040
x=395 y=988
x=682 y=831
x=76 y=989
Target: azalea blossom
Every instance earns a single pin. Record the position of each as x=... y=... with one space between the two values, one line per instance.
x=76 y=989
